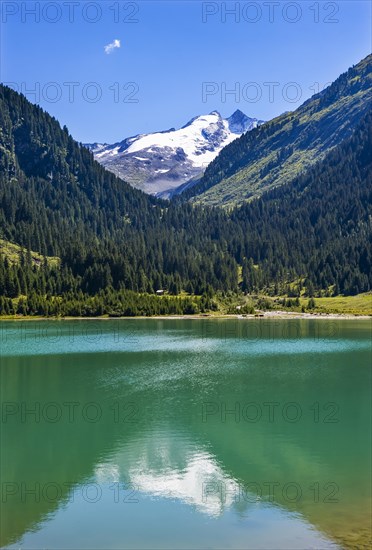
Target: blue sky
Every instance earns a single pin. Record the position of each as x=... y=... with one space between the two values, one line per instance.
x=176 y=59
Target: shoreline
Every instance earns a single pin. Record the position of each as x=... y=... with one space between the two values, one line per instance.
x=276 y=314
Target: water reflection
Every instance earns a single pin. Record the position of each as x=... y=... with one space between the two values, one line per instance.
x=197 y=481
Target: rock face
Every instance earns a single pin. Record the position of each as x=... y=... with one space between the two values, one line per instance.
x=162 y=162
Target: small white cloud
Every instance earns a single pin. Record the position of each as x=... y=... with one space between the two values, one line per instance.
x=111 y=47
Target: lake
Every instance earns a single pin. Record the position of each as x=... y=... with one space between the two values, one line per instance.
x=195 y=433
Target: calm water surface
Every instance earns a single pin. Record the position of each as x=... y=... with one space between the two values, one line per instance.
x=186 y=434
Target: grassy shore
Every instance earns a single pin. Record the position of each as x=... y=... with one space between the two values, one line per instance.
x=356 y=305
x=361 y=304
x=233 y=306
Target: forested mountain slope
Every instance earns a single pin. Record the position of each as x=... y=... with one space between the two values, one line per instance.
x=319 y=224
x=113 y=242
x=55 y=199
x=280 y=150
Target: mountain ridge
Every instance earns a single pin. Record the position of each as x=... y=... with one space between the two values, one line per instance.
x=117 y=246
x=288 y=145
x=160 y=163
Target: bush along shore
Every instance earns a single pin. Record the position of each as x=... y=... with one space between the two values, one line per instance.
x=111 y=304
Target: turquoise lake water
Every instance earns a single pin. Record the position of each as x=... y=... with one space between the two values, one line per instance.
x=219 y=434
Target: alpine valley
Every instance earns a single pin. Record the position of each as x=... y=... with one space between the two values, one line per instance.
x=185 y=285
x=265 y=215
x=166 y=162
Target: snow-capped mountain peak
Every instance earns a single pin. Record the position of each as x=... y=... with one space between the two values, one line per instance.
x=239 y=123
x=161 y=162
